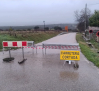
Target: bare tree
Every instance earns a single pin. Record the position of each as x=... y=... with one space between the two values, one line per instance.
x=82 y=17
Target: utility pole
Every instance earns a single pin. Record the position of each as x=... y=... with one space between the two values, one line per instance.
x=44 y=25
x=85 y=18
x=85 y=15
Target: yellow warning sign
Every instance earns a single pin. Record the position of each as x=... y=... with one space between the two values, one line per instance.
x=69 y=55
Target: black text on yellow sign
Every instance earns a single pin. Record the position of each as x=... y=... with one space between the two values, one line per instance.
x=69 y=55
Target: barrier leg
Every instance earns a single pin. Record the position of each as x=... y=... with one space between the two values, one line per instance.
x=33 y=50
x=76 y=65
x=36 y=50
x=9 y=53
x=42 y=48
x=10 y=58
x=45 y=50
x=23 y=52
x=3 y=50
x=23 y=57
x=42 y=51
x=69 y=61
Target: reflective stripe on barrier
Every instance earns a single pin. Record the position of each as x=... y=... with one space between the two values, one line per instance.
x=61 y=46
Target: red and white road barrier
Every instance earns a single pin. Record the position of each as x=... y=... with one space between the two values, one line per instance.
x=61 y=46
x=17 y=43
x=21 y=44
x=30 y=44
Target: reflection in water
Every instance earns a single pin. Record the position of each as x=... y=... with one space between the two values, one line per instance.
x=68 y=74
x=52 y=61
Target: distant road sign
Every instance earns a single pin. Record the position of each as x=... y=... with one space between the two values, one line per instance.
x=66 y=28
x=90 y=31
x=97 y=33
x=69 y=55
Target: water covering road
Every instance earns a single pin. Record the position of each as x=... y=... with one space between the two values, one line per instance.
x=46 y=72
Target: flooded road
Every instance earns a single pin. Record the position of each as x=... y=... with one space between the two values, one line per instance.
x=46 y=72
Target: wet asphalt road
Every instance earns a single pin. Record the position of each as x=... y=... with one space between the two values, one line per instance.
x=42 y=72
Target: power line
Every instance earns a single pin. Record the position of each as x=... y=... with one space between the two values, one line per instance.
x=93 y=4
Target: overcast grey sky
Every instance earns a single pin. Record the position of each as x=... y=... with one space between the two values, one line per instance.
x=34 y=12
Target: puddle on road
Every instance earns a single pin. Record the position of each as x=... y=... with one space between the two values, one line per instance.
x=69 y=75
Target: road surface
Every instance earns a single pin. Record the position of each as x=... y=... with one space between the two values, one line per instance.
x=46 y=72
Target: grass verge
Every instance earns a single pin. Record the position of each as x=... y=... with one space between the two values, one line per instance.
x=90 y=54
